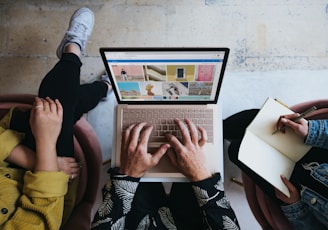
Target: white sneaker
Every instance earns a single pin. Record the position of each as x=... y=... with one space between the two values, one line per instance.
x=80 y=28
x=104 y=77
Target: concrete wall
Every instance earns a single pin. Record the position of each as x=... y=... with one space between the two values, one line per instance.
x=262 y=35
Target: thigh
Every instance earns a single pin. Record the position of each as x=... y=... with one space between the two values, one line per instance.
x=89 y=97
x=234 y=126
x=184 y=207
x=148 y=199
x=62 y=83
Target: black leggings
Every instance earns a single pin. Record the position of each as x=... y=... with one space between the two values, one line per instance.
x=182 y=202
x=63 y=83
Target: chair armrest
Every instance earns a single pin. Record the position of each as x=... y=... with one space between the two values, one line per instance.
x=90 y=176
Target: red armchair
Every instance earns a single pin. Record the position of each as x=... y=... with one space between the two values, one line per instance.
x=87 y=149
x=267 y=213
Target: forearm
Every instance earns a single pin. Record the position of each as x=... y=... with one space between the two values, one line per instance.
x=22 y=156
x=215 y=207
x=9 y=139
x=46 y=156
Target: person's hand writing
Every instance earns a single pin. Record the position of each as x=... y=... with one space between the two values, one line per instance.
x=300 y=127
x=294 y=193
x=188 y=156
x=135 y=158
x=46 y=121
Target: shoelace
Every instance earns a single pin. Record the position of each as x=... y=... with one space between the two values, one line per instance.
x=79 y=28
x=78 y=31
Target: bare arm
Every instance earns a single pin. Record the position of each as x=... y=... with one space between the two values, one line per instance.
x=22 y=156
x=45 y=123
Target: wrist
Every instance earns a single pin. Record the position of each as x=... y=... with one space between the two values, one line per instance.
x=45 y=143
x=130 y=173
x=200 y=176
x=46 y=165
x=115 y=173
x=46 y=159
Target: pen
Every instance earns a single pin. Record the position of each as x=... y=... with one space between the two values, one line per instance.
x=302 y=115
x=280 y=102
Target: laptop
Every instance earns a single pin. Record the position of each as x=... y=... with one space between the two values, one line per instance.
x=174 y=82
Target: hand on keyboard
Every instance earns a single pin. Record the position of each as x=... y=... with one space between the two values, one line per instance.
x=135 y=159
x=187 y=155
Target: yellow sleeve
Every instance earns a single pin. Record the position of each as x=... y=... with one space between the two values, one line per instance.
x=42 y=202
x=8 y=138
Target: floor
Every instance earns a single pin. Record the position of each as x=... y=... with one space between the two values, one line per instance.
x=31 y=30
x=239 y=91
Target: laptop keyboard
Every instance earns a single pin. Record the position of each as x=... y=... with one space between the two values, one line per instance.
x=163 y=120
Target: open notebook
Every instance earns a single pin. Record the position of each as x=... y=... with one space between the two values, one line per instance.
x=271 y=155
x=173 y=82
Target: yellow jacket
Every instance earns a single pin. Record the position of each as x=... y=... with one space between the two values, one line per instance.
x=28 y=200
x=31 y=201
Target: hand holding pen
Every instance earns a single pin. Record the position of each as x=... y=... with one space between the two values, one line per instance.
x=296 y=122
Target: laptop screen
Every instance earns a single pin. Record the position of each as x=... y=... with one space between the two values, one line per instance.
x=165 y=75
